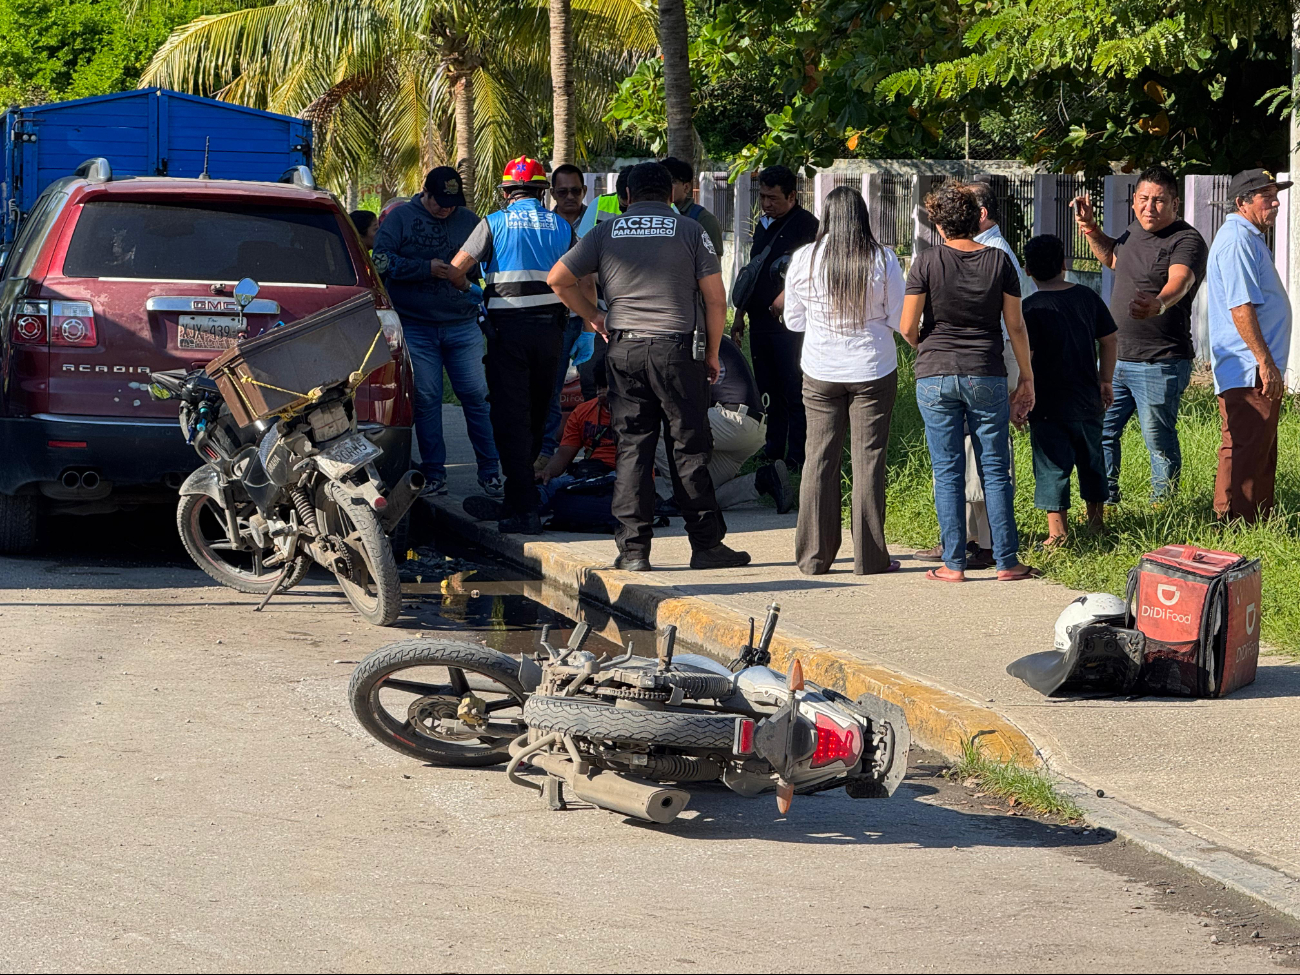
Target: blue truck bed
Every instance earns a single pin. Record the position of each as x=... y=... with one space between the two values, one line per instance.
x=145 y=132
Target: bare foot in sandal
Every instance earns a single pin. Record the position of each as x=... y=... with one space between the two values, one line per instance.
x=1054 y=541
x=1018 y=573
x=945 y=574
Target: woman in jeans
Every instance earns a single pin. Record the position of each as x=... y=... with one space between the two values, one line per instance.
x=966 y=291
x=845 y=291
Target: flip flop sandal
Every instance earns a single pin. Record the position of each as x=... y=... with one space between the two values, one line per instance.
x=1013 y=576
x=934 y=576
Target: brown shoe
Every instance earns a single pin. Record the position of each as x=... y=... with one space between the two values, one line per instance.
x=930 y=554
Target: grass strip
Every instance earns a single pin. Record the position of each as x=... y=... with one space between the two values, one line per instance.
x=1031 y=788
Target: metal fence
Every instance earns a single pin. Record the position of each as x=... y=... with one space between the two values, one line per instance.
x=724 y=200
x=1078 y=255
x=894 y=229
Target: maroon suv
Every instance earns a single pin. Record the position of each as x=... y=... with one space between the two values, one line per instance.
x=110 y=280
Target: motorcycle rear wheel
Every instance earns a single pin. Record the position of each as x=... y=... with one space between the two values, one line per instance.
x=374 y=588
x=605 y=722
x=439 y=674
x=201 y=524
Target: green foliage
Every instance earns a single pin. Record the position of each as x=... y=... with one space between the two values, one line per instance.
x=638 y=108
x=1137 y=81
x=56 y=50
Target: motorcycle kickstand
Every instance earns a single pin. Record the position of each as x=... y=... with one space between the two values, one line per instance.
x=553 y=793
x=275 y=587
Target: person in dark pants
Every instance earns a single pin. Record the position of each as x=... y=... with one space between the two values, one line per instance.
x=661 y=281
x=775 y=351
x=517 y=246
x=1070 y=329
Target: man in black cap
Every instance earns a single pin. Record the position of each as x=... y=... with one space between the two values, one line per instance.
x=1250 y=338
x=412 y=251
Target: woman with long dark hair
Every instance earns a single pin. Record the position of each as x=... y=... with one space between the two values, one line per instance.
x=845 y=292
x=966 y=291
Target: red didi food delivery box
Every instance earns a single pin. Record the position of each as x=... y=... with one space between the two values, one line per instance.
x=1199 y=611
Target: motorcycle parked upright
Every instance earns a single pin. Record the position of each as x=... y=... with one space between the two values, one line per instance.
x=276 y=495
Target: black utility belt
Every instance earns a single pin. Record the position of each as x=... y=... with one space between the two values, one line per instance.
x=631 y=333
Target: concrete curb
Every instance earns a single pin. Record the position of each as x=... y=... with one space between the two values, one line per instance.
x=940 y=720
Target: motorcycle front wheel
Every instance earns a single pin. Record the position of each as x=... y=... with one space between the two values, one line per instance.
x=372 y=584
x=202 y=526
x=401 y=692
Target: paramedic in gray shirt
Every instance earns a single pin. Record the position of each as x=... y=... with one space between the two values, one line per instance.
x=660 y=277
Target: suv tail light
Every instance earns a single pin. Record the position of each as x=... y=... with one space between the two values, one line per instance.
x=30 y=322
x=836 y=743
x=72 y=323
x=392 y=326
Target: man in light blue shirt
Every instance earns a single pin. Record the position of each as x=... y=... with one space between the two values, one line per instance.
x=1250 y=336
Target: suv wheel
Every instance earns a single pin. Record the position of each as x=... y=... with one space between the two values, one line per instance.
x=18 y=517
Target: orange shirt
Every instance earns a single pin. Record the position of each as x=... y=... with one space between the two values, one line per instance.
x=580 y=431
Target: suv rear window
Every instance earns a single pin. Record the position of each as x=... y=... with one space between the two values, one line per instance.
x=208 y=242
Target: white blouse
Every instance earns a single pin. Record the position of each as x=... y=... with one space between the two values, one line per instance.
x=858 y=350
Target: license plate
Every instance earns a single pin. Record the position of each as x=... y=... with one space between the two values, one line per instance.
x=346 y=456
x=211 y=332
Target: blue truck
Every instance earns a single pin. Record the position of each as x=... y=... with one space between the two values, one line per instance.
x=145 y=132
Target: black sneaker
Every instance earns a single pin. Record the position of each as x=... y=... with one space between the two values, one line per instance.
x=529 y=523
x=719 y=557
x=632 y=563
x=482 y=509
x=774 y=480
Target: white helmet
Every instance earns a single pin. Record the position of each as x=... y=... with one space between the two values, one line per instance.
x=1095 y=607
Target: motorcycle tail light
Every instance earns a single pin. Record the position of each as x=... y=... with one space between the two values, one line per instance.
x=72 y=324
x=30 y=321
x=744 y=743
x=392 y=326
x=836 y=743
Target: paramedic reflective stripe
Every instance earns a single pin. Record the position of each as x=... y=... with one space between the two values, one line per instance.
x=522 y=301
x=510 y=277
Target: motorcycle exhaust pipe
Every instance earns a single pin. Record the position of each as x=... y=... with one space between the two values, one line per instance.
x=631 y=797
x=618 y=793
x=401 y=497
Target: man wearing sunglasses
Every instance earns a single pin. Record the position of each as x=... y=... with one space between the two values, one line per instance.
x=569 y=191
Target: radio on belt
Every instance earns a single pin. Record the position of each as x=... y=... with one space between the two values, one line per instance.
x=1189 y=627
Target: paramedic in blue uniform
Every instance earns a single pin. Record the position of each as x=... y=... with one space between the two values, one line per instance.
x=524 y=323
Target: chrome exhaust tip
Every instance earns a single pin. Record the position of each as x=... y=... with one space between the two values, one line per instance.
x=71 y=480
x=90 y=480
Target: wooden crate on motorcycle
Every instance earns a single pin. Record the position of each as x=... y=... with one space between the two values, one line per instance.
x=285 y=368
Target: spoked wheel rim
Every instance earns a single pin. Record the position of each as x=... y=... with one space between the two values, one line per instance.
x=410 y=700
x=208 y=532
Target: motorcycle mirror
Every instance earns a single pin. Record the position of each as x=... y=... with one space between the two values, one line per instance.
x=245 y=291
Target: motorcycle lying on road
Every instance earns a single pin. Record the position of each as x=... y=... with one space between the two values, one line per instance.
x=276 y=495
x=614 y=732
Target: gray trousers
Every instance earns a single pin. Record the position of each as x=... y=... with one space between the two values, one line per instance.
x=864 y=410
x=736 y=438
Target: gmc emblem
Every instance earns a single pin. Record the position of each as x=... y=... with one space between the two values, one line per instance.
x=214 y=304
x=119 y=370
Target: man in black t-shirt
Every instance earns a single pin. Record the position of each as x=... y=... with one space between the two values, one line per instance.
x=1067 y=324
x=776 y=351
x=1159 y=263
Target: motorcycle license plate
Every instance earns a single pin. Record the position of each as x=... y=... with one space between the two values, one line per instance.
x=208 y=332
x=346 y=456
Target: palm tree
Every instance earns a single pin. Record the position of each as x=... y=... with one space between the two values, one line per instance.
x=394 y=85
x=561 y=82
x=674 y=42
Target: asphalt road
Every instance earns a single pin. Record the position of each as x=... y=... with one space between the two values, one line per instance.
x=185 y=789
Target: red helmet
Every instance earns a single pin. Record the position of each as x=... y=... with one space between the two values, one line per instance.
x=524 y=171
